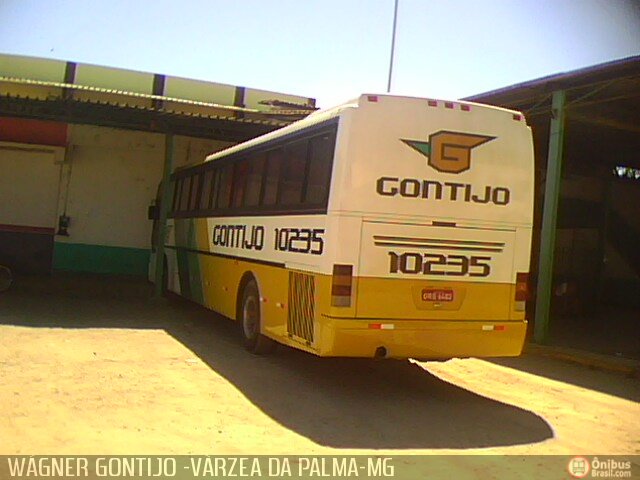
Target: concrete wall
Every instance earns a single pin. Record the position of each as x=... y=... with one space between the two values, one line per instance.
x=103 y=180
x=109 y=178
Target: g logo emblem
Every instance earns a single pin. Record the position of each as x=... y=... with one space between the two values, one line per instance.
x=449 y=152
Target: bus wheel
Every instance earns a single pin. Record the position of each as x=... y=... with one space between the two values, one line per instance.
x=254 y=341
x=5 y=278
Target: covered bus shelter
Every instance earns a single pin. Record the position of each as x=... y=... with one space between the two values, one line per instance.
x=586 y=248
x=83 y=149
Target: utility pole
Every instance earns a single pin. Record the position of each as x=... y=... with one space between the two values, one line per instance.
x=393 y=43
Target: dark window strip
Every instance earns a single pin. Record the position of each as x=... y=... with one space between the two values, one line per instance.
x=326 y=127
x=230 y=166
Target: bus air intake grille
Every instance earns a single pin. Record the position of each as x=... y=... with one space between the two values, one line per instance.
x=301 y=306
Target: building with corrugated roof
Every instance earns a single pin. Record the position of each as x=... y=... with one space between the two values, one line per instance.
x=586 y=248
x=83 y=149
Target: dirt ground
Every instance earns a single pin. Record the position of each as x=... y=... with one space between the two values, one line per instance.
x=93 y=366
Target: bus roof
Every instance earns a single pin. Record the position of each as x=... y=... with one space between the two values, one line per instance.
x=326 y=114
x=313 y=119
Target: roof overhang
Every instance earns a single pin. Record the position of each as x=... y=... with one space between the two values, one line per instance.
x=602 y=109
x=86 y=94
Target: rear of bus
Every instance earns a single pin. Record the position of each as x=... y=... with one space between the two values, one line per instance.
x=432 y=205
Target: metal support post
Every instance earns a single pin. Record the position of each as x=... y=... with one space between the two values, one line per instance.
x=549 y=217
x=165 y=201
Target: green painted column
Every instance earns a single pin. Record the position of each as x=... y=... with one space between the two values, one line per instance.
x=165 y=202
x=549 y=217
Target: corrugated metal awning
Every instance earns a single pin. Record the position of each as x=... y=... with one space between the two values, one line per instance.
x=122 y=98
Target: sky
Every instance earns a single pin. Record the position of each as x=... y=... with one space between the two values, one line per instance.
x=330 y=50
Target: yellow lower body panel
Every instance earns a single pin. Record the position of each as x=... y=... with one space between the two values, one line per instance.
x=420 y=339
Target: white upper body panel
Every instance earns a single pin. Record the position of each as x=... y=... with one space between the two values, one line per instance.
x=415 y=158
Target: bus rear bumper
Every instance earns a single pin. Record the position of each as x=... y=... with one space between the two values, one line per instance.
x=421 y=339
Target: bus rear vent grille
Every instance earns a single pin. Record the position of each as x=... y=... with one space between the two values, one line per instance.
x=301 y=306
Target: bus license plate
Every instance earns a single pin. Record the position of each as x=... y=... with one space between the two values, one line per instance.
x=437 y=295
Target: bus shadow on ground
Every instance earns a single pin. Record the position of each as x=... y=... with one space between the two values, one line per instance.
x=350 y=403
x=339 y=403
x=357 y=403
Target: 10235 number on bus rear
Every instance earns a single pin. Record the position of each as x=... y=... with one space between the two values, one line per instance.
x=439 y=264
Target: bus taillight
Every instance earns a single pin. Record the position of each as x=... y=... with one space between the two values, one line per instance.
x=522 y=290
x=341 y=284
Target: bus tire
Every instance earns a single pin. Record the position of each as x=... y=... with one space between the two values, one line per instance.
x=250 y=321
x=5 y=278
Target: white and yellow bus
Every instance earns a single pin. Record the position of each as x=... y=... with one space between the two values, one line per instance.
x=386 y=227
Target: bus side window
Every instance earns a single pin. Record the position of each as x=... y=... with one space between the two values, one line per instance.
x=185 y=193
x=196 y=185
x=240 y=173
x=205 y=196
x=215 y=187
x=176 y=194
x=254 y=180
x=272 y=177
x=224 y=190
x=319 y=170
x=293 y=173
